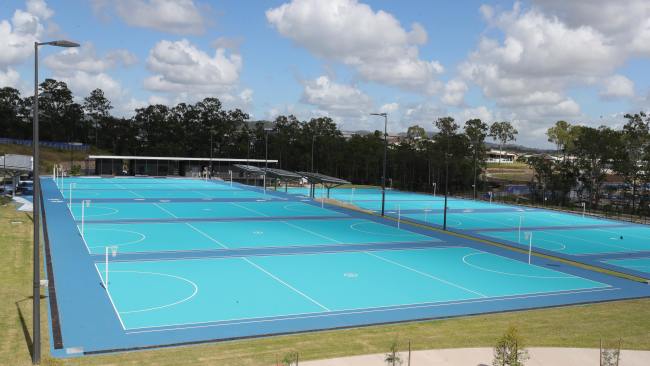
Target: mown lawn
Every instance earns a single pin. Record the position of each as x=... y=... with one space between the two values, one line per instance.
x=576 y=326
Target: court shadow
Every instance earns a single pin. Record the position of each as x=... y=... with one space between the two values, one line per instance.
x=23 y=324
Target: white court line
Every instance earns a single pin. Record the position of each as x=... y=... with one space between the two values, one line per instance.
x=222 y=256
x=286 y=284
x=249 y=209
x=110 y=298
x=202 y=194
x=312 y=232
x=83 y=239
x=167 y=211
x=128 y=190
x=632 y=235
x=402 y=233
x=548 y=232
x=287 y=317
x=206 y=235
x=425 y=274
x=142 y=237
x=265 y=271
x=194 y=292
x=513 y=274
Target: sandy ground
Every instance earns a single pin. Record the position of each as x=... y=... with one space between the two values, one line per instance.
x=483 y=357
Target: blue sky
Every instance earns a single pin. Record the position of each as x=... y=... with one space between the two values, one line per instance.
x=531 y=62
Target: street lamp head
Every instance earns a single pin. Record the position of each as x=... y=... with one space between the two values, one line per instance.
x=379 y=114
x=63 y=43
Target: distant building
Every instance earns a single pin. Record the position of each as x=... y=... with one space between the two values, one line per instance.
x=500 y=156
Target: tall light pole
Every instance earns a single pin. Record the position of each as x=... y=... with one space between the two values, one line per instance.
x=266 y=154
x=36 y=306
x=444 y=222
x=383 y=176
x=211 y=149
x=313 y=140
x=266 y=147
x=475 y=153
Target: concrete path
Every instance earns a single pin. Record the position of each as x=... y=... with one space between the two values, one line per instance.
x=483 y=357
x=26 y=205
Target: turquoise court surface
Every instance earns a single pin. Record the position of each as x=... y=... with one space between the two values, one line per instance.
x=137 y=263
x=590 y=240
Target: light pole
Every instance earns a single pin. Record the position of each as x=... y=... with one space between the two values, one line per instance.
x=313 y=140
x=383 y=177
x=211 y=138
x=266 y=154
x=36 y=307
x=444 y=223
x=248 y=155
x=475 y=153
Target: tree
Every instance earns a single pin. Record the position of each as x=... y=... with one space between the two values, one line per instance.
x=97 y=107
x=543 y=172
x=13 y=117
x=415 y=135
x=594 y=149
x=58 y=115
x=503 y=132
x=628 y=158
x=561 y=135
x=476 y=131
x=290 y=359
x=392 y=357
x=509 y=350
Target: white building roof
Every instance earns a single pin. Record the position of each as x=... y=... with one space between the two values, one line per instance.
x=173 y=158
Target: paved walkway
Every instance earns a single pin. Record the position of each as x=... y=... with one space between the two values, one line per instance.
x=26 y=205
x=483 y=357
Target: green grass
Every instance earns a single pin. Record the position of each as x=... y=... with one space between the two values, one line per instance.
x=50 y=156
x=513 y=165
x=575 y=326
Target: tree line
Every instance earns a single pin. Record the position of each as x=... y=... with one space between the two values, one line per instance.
x=418 y=161
x=588 y=158
x=206 y=129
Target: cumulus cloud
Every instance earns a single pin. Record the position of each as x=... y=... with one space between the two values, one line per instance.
x=482 y=112
x=389 y=108
x=626 y=23
x=185 y=73
x=617 y=86
x=373 y=43
x=39 y=8
x=85 y=59
x=180 y=66
x=171 y=16
x=9 y=77
x=454 y=92
x=334 y=98
x=17 y=37
x=84 y=70
x=529 y=60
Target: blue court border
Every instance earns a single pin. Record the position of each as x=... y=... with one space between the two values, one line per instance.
x=88 y=324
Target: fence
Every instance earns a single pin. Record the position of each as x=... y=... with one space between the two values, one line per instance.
x=75 y=146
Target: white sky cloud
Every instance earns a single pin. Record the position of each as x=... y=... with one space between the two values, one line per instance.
x=338 y=99
x=530 y=59
x=617 y=86
x=170 y=16
x=454 y=93
x=180 y=66
x=84 y=70
x=373 y=43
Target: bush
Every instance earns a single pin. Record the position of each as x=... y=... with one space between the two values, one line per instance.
x=509 y=350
